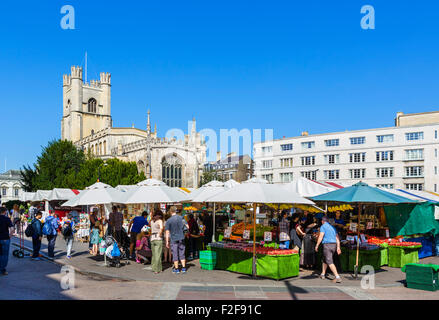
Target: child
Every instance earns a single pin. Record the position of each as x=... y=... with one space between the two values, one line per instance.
x=95 y=235
x=143 y=252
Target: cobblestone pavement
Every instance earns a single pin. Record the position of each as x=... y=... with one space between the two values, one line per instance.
x=29 y=279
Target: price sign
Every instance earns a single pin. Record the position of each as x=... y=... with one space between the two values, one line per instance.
x=350 y=238
x=363 y=238
x=353 y=227
x=228 y=232
x=246 y=234
x=369 y=225
x=387 y=233
x=267 y=236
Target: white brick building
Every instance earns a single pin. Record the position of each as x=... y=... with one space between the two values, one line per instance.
x=401 y=157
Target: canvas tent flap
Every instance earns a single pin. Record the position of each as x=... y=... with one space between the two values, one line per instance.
x=409 y=219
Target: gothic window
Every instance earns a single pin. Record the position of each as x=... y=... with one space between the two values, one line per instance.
x=92 y=105
x=172 y=170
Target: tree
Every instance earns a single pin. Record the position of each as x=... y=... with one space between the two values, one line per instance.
x=62 y=165
x=57 y=160
x=208 y=176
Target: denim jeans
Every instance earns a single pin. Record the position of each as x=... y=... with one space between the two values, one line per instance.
x=51 y=245
x=69 y=244
x=36 y=246
x=4 y=256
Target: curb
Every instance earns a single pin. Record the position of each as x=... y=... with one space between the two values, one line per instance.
x=97 y=274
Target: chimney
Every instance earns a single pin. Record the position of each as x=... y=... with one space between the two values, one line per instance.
x=218 y=156
x=305 y=133
x=398 y=115
x=231 y=154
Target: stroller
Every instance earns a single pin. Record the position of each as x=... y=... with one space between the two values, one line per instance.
x=124 y=249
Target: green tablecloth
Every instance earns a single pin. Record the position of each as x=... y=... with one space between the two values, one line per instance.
x=274 y=267
x=365 y=257
x=400 y=256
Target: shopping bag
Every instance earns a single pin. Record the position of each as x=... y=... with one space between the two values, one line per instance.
x=115 y=252
x=283 y=236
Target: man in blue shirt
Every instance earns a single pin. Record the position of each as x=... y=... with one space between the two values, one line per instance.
x=135 y=228
x=331 y=244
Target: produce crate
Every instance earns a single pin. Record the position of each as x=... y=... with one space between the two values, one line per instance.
x=428 y=248
x=422 y=276
x=365 y=257
x=384 y=251
x=207 y=255
x=400 y=256
x=207 y=266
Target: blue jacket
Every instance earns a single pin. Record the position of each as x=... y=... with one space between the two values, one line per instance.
x=38 y=228
x=54 y=222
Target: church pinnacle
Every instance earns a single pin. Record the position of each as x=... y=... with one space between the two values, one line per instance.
x=148 y=125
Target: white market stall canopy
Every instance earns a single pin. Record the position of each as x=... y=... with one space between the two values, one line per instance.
x=154 y=191
x=259 y=191
x=41 y=195
x=62 y=194
x=27 y=196
x=307 y=188
x=96 y=194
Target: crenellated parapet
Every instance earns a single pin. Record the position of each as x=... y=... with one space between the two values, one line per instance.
x=76 y=72
x=105 y=78
x=66 y=80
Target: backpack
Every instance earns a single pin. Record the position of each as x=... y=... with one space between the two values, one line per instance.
x=48 y=228
x=29 y=232
x=67 y=230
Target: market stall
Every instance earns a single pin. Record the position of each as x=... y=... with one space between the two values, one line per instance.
x=270 y=263
x=363 y=196
x=258 y=192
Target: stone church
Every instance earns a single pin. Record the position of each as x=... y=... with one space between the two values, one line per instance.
x=87 y=122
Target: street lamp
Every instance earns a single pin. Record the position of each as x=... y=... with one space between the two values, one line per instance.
x=99 y=170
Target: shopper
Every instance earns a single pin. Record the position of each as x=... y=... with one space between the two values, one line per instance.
x=95 y=237
x=331 y=244
x=93 y=217
x=143 y=252
x=16 y=217
x=308 y=243
x=115 y=223
x=50 y=230
x=175 y=239
x=284 y=227
x=207 y=220
x=157 y=228
x=37 y=235
x=69 y=228
x=135 y=227
x=167 y=255
x=6 y=232
x=193 y=235
x=296 y=233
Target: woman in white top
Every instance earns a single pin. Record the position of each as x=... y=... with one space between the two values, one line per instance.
x=157 y=241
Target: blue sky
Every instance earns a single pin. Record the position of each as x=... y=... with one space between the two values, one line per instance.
x=287 y=65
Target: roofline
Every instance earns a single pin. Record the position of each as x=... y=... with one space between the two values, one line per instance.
x=347 y=131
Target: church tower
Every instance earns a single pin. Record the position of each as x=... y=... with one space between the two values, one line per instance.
x=86 y=106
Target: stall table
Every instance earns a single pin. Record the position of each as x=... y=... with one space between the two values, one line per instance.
x=400 y=256
x=268 y=266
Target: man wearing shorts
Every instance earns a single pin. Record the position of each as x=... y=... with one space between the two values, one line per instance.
x=175 y=239
x=331 y=244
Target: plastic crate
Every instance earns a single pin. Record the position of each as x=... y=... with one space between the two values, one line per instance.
x=421 y=278
x=207 y=255
x=428 y=246
x=365 y=258
x=399 y=257
x=207 y=266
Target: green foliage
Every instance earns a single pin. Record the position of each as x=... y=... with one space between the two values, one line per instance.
x=208 y=176
x=62 y=165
